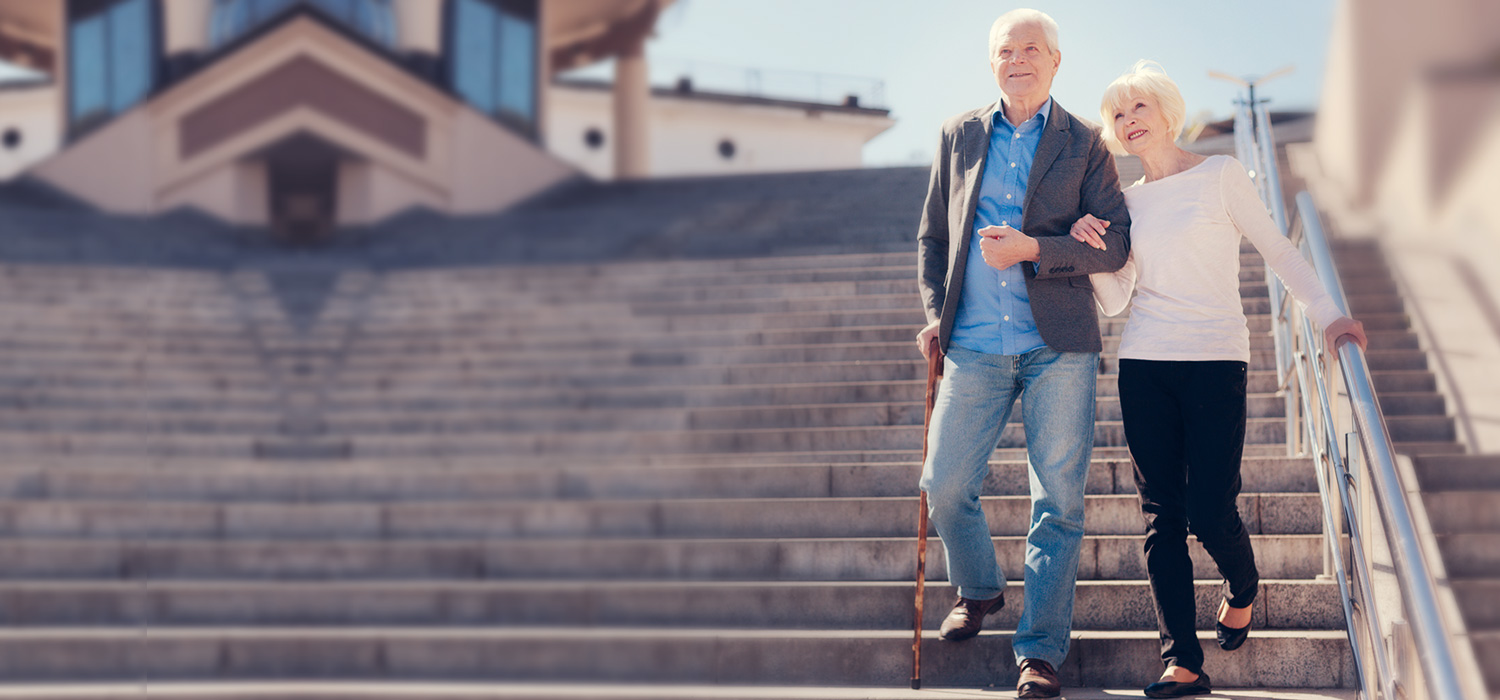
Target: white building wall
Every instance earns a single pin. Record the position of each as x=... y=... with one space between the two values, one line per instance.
x=685 y=134
x=110 y=168
x=32 y=113
x=185 y=25
x=419 y=25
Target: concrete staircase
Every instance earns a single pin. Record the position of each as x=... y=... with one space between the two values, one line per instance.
x=314 y=476
x=1462 y=496
x=1415 y=412
x=1460 y=492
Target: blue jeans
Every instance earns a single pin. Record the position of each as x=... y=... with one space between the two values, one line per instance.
x=1057 y=408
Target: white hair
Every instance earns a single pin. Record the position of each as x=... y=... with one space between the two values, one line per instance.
x=1144 y=79
x=1015 y=18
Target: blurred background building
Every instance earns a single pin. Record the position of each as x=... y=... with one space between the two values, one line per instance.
x=306 y=116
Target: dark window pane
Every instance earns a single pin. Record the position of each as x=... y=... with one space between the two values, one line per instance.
x=372 y=18
x=517 y=67
x=129 y=53
x=474 y=53
x=89 y=89
x=229 y=15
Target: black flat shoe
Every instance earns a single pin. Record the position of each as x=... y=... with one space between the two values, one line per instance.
x=1230 y=638
x=1173 y=689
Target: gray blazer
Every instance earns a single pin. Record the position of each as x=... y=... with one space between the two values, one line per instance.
x=1073 y=174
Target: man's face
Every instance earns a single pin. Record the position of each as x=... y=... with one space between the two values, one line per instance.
x=1023 y=65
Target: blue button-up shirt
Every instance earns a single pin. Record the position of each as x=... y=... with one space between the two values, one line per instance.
x=994 y=309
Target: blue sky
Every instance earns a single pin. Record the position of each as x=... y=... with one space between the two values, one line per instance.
x=931 y=54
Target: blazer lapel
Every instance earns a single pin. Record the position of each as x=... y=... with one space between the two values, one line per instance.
x=975 y=149
x=1054 y=137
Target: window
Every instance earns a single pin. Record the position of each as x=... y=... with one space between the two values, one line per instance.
x=493 y=58
x=372 y=19
x=112 y=57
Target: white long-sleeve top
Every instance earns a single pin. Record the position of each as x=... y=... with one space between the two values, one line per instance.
x=1184 y=266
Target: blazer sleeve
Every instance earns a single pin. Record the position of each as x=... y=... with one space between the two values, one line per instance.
x=932 y=233
x=1061 y=256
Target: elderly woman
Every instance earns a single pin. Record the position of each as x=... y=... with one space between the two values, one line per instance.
x=1184 y=354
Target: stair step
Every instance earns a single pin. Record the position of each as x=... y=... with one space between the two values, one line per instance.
x=1487 y=653
x=501 y=481
x=1106 y=433
x=750 y=518
x=1463 y=511
x=1444 y=472
x=1114 y=557
x=1424 y=447
x=1479 y=599
x=1114 y=605
x=463 y=417
x=1471 y=554
x=1300 y=658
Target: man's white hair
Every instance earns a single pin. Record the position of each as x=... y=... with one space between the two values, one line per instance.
x=1144 y=79
x=1014 y=18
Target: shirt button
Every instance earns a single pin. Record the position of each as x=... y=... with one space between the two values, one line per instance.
x=1018 y=135
x=1007 y=318
x=1012 y=165
x=1007 y=196
x=1002 y=284
x=1005 y=223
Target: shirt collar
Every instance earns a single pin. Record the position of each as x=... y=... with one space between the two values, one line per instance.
x=997 y=115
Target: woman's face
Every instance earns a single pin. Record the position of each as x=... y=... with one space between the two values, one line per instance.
x=1139 y=124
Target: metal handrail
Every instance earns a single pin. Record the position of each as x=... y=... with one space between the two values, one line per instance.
x=1312 y=428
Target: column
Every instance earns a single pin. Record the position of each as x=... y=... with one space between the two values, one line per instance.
x=632 y=97
x=186 y=25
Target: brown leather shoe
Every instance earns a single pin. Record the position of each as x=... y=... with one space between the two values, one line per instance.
x=1038 y=680
x=967 y=618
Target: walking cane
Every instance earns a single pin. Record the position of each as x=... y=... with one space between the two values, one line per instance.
x=934 y=372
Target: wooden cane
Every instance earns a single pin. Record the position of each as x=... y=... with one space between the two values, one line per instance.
x=934 y=373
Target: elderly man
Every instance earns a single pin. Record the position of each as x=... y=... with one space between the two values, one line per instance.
x=1007 y=294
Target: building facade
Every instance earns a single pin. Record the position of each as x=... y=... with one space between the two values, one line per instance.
x=693 y=132
x=298 y=114
x=307 y=115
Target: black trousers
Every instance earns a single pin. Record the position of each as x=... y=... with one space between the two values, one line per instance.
x=1185 y=425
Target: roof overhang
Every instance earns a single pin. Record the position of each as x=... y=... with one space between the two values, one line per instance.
x=29 y=32
x=580 y=32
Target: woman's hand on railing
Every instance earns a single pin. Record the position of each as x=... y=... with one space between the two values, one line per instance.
x=1345 y=327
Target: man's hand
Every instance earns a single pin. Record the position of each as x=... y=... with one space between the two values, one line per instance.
x=925 y=336
x=1345 y=327
x=1004 y=246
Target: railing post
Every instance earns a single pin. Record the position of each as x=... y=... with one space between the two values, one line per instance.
x=1333 y=548
x=1354 y=466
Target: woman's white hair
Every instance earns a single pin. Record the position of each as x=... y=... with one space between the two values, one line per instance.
x=1144 y=79
x=1023 y=16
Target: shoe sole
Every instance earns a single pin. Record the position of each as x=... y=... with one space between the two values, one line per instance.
x=1057 y=694
x=1181 y=695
